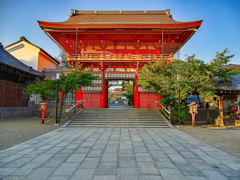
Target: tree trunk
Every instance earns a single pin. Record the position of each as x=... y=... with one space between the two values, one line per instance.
x=207 y=110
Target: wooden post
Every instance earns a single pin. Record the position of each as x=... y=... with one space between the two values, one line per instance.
x=79 y=95
x=136 y=100
x=220 y=105
x=162 y=44
x=103 y=94
x=76 y=47
x=207 y=110
x=221 y=110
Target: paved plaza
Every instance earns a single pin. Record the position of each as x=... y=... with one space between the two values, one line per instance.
x=116 y=153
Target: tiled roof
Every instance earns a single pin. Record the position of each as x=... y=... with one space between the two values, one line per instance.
x=232 y=85
x=231 y=66
x=7 y=59
x=120 y=17
x=50 y=74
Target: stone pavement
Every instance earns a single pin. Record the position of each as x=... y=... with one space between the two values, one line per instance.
x=116 y=153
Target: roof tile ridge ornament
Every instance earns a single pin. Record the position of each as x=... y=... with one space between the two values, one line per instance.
x=73 y=12
x=168 y=13
x=22 y=38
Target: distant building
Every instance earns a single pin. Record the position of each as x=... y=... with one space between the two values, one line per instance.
x=231 y=66
x=31 y=55
x=229 y=89
x=117 y=93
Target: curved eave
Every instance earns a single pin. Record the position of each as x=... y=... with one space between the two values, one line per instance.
x=193 y=32
x=38 y=74
x=45 y=25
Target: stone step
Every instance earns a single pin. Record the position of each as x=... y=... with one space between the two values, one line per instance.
x=120 y=114
x=114 y=126
x=117 y=122
x=118 y=118
x=117 y=112
x=112 y=118
x=145 y=123
x=93 y=121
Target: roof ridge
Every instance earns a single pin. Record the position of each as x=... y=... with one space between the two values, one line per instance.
x=79 y=12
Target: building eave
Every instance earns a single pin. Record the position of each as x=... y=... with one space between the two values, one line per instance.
x=52 y=25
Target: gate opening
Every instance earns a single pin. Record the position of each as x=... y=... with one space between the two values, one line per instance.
x=120 y=94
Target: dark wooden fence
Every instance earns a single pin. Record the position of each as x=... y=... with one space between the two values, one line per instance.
x=11 y=94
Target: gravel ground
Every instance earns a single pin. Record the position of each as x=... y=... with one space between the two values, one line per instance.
x=14 y=131
x=224 y=139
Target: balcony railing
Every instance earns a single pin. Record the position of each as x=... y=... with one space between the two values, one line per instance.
x=91 y=56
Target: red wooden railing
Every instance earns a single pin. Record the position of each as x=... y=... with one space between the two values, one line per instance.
x=91 y=56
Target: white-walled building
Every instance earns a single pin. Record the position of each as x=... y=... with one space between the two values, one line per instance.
x=31 y=55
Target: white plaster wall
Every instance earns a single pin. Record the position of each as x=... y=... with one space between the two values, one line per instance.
x=35 y=98
x=26 y=53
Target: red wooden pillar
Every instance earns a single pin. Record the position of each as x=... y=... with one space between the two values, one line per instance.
x=103 y=94
x=136 y=96
x=106 y=94
x=79 y=95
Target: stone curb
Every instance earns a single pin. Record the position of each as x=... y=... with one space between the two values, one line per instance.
x=71 y=119
x=166 y=121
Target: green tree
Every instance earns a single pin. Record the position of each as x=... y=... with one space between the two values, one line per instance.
x=45 y=89
x=128 y=87
x=72 y=81
x=67 y=83
x=216 y=66
x=190 y=77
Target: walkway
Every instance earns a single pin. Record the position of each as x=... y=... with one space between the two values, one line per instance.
x=116 y=153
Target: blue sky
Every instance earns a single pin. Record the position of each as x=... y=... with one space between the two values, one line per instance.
x=220 y=28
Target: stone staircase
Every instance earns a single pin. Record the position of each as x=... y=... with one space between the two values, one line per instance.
x=119 y=118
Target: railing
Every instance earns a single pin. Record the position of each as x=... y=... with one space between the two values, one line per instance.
x=166 y=112
x=92 y=88
x=119 y=75
x=53 y=114
x=120 y=56
x=140 y=89
x=73 y=108
x=67 y=111
x=66 y=102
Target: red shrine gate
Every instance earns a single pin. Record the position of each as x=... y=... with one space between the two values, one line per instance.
x=116 y=44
